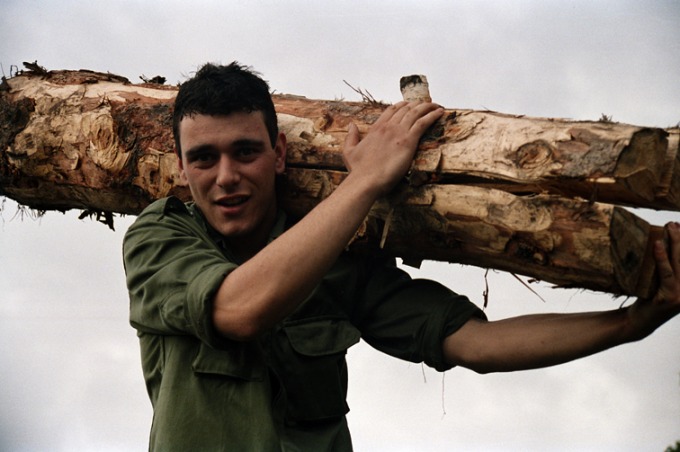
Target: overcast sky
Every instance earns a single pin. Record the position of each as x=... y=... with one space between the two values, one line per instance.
x=70 y=376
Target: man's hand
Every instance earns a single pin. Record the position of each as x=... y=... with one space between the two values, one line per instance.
x=385 y=154
x=647 y=315
x=532 y=341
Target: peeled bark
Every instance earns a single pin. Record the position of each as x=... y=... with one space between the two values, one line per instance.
x=488 y=189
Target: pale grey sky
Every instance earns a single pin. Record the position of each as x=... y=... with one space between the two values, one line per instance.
x=69 y=362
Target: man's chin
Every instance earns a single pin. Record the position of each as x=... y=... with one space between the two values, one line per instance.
x=232 y=231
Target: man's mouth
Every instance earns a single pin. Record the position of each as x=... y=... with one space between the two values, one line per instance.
x=232 y=201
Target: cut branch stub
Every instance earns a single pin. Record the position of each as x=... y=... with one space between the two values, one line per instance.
x=415 y=88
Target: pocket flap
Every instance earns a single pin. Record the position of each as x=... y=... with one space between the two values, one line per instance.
x=322 y=336
x=243 y=361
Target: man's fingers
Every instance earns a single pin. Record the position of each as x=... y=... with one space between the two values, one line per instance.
x=403 y=114
x=352 y=138
x=673 y=231
x=415 y=113
x=663 y=263
x=666 y=273
x=391 y=111
x=422 y=124
x=668 y=264
x=406 y=113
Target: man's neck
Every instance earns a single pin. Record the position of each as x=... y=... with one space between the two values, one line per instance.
x=245 y=247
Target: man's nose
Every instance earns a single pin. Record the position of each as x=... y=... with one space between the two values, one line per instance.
x=228 y=173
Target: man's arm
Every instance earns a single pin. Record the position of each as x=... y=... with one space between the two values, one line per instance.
x=271 y=284
x=534 y=341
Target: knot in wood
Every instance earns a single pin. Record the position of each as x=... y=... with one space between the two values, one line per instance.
x=533 y=155
x=527 y=251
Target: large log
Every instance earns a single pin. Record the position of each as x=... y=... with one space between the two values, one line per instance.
x=519 y=194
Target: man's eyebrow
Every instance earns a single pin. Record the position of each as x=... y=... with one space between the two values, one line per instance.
x=248 y=142
x=243 y=142
x=199 y=149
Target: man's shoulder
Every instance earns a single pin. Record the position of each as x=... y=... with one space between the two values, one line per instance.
x=165 y=211
x=165 y=205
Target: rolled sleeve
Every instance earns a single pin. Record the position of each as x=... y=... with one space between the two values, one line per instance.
x=173 y=270
x=200 y=293
x=410 y=318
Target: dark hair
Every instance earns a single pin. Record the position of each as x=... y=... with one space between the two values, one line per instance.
x=221 y=90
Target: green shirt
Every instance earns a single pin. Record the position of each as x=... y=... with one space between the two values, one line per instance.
x=287 y=390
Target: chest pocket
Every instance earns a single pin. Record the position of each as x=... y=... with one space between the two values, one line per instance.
x=312 y=368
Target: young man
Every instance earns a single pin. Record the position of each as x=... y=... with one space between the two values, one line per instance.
x=244 y=315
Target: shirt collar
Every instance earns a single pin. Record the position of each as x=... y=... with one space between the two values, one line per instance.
x=278 y=229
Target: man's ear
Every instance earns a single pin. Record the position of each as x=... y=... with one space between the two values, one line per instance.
x=280 y=150
x=180 y=165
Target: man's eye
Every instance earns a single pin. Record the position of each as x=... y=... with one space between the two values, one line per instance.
x=247 y=152
x=203 y=158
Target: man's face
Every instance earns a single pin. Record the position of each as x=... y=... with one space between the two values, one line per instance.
x=230 y=167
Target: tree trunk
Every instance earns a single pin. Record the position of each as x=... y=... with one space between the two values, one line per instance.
x=526 y=195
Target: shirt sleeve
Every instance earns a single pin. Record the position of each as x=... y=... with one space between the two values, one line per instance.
x=409 y=318
x=173 y=270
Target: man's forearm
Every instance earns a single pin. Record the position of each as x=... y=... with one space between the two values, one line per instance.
x=272 y=283
x=534 y=341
